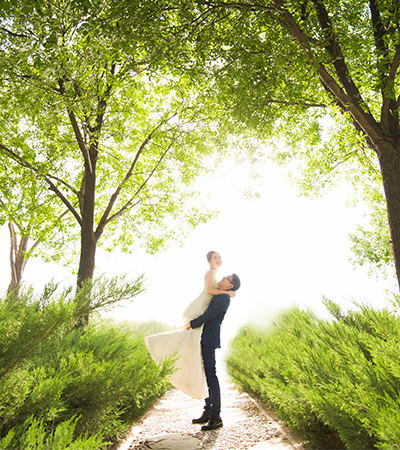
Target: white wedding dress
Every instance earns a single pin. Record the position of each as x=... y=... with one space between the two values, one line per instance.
x=189 y=376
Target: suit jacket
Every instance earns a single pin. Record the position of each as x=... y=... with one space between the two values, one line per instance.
x=212 y=318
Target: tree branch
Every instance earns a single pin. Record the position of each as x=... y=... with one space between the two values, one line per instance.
x=14 y=34
x=378 y=30
x=81 y=143
x=390 y=103
x=305 y=105
x=46 y=177
x=394 y=66
x=78 y=135
x=333 y=48
x=237 y=5
x=104 y=219
x=288 y=20
x=386 y=71
x=13 y=253
x=101 y=108
x=40 y=239
x=196 y=22
x=65 y=184
x=129 y=204
x=366 y=122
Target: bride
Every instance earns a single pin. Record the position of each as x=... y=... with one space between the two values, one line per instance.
x=189 y=376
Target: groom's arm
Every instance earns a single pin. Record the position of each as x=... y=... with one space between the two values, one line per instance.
x=218 y=305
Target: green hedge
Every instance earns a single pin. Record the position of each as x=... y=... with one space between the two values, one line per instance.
x=60 y=386
x=337 y=377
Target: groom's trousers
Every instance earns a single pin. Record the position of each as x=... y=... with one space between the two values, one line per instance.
x=213 y=401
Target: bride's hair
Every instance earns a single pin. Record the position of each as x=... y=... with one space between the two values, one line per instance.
x=209 y=255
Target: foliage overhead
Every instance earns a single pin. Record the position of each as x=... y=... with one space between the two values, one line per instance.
x=94 y=115
x=291 y=69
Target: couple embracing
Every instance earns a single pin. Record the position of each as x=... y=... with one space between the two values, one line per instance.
x=195 y=344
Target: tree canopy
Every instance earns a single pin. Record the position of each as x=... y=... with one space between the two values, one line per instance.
x=96 y=116
x=121 y=101
x=281 y=67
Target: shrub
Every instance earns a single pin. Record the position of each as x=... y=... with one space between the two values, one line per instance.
x=36 y=437
x=59 y=383
x=340 y=376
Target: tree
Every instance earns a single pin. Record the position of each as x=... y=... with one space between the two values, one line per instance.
x=371 y=245
x=115 y=140
x=33 y=219
x=280 y=66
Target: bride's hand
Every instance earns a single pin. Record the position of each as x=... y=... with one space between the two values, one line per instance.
x=231 y=293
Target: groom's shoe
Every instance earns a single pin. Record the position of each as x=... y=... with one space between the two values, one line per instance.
x=213 y=424
x=205 y=417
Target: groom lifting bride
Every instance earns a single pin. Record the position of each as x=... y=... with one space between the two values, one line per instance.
x=194 y=345
x=210 y=340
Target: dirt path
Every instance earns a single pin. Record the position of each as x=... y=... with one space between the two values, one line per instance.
x=167 y=426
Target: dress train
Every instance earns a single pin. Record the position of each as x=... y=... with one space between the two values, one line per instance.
x=189 y=376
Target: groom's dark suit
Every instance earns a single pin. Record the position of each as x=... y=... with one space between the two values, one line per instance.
x=210 y=340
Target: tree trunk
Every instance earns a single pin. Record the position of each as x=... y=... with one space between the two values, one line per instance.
x=18 y=258
x=86 y=270
x=389 y=160
x=88 y=238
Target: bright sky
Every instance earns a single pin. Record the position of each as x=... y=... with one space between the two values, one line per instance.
x=286 y=250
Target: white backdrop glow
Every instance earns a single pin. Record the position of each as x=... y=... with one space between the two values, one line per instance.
x=286 y=249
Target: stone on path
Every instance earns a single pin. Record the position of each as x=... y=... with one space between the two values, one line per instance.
x=173 y=440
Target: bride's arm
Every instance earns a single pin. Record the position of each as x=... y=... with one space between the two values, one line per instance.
x=210 y=286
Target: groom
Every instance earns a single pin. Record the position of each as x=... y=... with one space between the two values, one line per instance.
x=210 y=340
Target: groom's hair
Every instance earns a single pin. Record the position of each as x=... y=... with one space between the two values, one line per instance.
x=236 y=282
